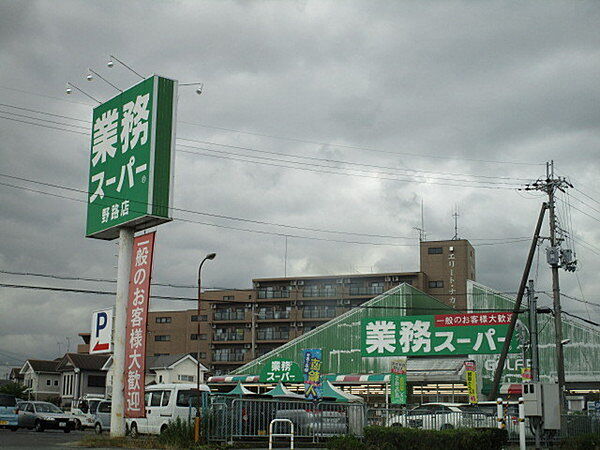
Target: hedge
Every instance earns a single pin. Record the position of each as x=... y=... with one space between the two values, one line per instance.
x=582 y=442
x=391 y=438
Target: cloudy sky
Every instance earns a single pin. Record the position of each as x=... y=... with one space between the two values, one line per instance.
x=315 y=116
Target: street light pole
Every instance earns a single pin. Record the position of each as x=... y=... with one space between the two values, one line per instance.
x=197 y=419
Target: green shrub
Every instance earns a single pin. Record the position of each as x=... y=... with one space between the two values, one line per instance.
x=179 y=434
x=346 y=443
x=459 y=439
x=581 y=442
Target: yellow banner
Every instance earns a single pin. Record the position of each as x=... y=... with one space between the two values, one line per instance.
x=471 y=375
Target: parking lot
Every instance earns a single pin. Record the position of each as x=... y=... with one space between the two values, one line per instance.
x=32 y=439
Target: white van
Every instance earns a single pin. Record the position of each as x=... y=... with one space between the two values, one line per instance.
x=164 y=404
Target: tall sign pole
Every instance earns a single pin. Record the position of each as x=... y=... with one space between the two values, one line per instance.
x=130 y=188
x=117 y=418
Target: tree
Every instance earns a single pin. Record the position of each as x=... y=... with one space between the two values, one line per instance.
x=16 y=389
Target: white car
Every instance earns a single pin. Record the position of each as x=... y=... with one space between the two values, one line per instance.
x=165 y=403
x=84 y=410
x=442 y=416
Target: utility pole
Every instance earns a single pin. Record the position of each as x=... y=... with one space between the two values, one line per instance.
x=556 y=259
x=517 y=309
x=533 y=333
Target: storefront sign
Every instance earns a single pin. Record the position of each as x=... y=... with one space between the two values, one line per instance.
x=398 y=391
x=131 y=159
x=281 y=370
x=471 y=376
x=429 y=335
x=312 y=359
x=137 y=316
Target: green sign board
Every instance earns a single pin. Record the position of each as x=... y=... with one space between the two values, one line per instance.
x=398 y=392
x=448 y=334
x=281 y=370
x=132 y=159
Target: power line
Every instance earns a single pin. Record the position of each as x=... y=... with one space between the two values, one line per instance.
x=195 y=299
x=319 y=167
x=497 y=241
x=328 y=144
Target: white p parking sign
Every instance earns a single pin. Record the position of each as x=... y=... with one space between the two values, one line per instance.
x=101 y=337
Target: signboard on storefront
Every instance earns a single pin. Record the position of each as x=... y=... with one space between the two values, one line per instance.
x=312 y=360
x=137 y=318
x=471 y=379
x=131 y=159
x=282 y=370
x=436 y=335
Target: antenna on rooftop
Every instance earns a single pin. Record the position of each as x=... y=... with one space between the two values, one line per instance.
x=421 y=229
x=455 y=215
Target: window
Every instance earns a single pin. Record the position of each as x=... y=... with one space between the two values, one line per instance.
x=228 y=297
x=161 y=354
x=160 y=378
x=47 y=382
x=436 y=284
x=155 y=398
x=435 y=250
x=202 y=355
x=165 y=398
x=186 y=377
x=186 y=398
x=162 y=338
x=96 y=381
x=29 y=407
x=104 y=407
x=203 y=318
x=55 y=382
x=163 y=320
x=194 y=336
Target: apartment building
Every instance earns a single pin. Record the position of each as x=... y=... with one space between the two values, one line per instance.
x=237 y=326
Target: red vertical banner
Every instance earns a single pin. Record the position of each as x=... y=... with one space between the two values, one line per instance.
x=137 y=317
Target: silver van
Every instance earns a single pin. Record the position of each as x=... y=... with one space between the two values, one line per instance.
x=102 y=417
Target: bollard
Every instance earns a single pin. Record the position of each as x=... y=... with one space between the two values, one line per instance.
x=522 y=444
x=500 y=413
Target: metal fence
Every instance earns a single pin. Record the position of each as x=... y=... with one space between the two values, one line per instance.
x=230 y=419
x=243 y=419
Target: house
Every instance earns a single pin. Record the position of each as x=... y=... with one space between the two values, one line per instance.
x=42 y=379
x=81 y=375
x=15 y=375
x=178 y=368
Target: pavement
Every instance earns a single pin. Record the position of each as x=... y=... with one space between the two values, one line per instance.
x=23 y=438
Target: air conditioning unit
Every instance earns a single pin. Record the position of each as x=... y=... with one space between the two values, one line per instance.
x=213 y=306
x=299 y=324
x=300 y=303
x=395 y=278
x=388 y=278
x=212 y=346
x=300 y=282
x=347 y=302
x=293 y=324
x=340 y=302
x=293 y=283
x=247 y=345
x=257 y=285
x=340 y=281
x=248 y=305
x=248 y=325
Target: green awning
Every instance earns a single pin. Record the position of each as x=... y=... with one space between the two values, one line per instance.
x=239 y=390
x=330 y=391
x=280 y=391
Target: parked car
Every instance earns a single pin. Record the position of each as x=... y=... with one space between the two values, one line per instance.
x=43 y=416
x=102 y=417
x=315 y=423
x=9 y=413
x=165 y=403
x=442 y=416
x=84 y=410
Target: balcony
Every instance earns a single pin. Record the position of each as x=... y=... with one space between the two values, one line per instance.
x=266 y=294
x=369 y=290
x=229 y=336
x=263 y=335
x=230 y=315
x=273 y=315
x=228 y=357
x=308 y=293
x=328 y=313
